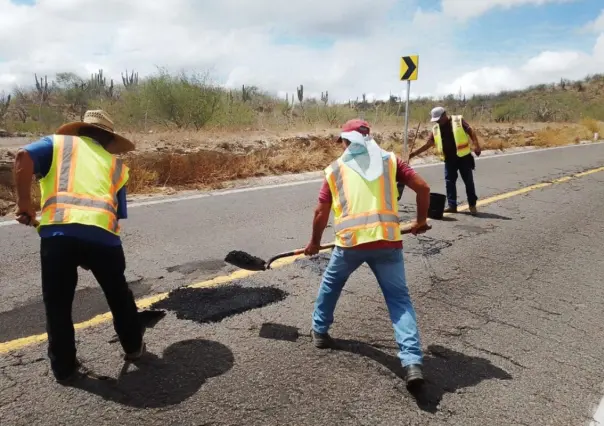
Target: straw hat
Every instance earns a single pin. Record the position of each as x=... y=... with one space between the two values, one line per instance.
x=101 y=120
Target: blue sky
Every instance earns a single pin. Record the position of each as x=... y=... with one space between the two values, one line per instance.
x=530 y=29
x=348 y=47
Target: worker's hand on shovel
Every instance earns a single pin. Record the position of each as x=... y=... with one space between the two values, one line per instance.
x=26 y=215
x=417 y=228
x=312 y=249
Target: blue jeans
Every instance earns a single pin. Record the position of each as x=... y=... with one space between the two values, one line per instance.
x=464 y=167
x=389 y=269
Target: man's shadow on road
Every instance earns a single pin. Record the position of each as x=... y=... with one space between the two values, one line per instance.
x=486 y=215
x=445 y=370
x=160 y=382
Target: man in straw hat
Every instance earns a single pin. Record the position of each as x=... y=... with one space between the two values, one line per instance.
x=361 y=188
x=83 y=197
x=451 y=136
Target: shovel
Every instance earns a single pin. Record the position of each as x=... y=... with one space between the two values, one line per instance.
x=246 y=261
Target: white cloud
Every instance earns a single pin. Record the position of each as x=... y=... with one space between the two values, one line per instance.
x=546 y=67
x=465 y=9
x=235 y=41
x=597 y=25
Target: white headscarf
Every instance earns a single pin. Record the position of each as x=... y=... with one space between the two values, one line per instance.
x=364 y=155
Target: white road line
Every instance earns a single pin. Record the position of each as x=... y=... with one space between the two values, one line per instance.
x=598 y=418
x=219 y=193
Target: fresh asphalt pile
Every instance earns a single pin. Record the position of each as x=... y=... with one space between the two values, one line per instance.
x=205 y=305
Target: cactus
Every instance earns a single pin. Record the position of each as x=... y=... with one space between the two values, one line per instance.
x=246 y=93
x=109 y=90
x=131 y=80
x=42 y=88
x=325 y=97
x=97 y=81
x=300 y=91
x=98 y=85
x=4 y=103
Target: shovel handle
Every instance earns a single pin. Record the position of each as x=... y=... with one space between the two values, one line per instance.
x=323 y=247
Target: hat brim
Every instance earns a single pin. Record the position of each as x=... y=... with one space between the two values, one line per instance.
x=435 y=119
x=119 y=145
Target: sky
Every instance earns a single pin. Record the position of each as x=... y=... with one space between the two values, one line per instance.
x=347 y=47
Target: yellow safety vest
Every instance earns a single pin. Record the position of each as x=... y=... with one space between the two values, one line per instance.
x=82 y=184
x=462 y=141
x=364 y=211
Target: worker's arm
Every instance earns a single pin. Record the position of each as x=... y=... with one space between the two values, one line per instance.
x=319 y=224
x=429 y=144
x=33 y=159
x=23 y=172
x=422 y=197
x=320 y=220
x=470 y=131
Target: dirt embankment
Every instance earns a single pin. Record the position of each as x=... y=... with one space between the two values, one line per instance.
x=173 y=161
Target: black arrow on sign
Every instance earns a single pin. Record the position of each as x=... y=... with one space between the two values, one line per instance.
x=410 y=67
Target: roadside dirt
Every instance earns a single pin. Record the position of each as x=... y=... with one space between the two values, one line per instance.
x=195 y=160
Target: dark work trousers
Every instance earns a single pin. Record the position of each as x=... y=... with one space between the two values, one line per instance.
x=464 y=166
x=61 y=257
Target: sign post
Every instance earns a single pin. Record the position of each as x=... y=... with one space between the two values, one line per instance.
x=408 y=72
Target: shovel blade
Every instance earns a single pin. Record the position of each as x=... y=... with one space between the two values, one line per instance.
x=245 y=260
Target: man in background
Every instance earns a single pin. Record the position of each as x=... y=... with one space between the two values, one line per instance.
x=451 y=138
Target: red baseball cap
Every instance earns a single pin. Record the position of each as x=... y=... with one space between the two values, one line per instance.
x=357 y=125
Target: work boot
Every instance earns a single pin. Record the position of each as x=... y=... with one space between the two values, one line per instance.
x=321 y=341
x=451 y=209
x=473 y=210
x=414 y=376
x=78 y=372
x=135 y=356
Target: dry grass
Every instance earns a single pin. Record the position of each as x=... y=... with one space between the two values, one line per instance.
x=590 y=124
x=210 y=169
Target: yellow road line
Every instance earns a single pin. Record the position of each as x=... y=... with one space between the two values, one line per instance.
x=239 y=274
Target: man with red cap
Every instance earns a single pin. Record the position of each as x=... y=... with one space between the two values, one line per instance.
x=361 y=188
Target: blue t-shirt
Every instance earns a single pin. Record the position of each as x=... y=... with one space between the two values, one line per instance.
x=41 y=154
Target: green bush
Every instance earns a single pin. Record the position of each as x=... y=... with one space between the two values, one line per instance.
x=194 y=102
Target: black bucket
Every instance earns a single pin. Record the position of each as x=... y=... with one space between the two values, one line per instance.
x=437 y=205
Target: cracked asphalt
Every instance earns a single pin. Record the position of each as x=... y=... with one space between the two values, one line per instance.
x=509 y=303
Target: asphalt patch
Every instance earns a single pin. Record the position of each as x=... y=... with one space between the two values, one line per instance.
x=88 y=302
x=204 y=305
x=473 y=229
x=213 y=265
x=316 y=264
x=279 y=332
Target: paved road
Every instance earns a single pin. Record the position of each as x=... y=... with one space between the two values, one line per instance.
x=510 y=307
